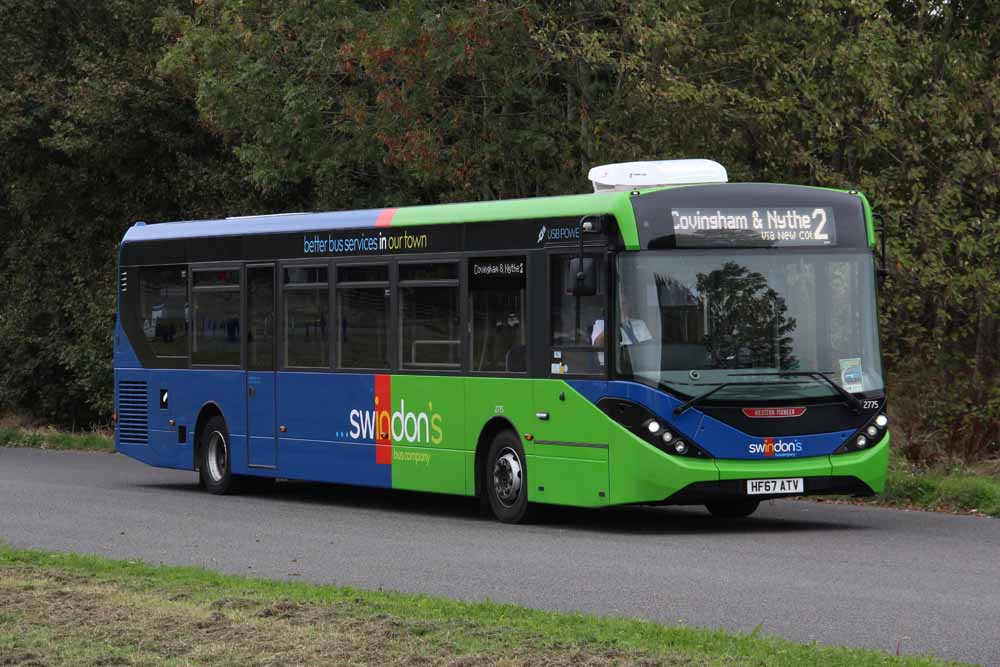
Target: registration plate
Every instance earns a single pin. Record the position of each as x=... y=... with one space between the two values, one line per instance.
x=763 y=486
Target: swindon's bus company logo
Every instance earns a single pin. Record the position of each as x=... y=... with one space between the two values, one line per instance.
x=402 y=425
x=776 y=448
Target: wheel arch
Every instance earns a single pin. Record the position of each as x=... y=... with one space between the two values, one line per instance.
x=206 y=412
x=486 y=435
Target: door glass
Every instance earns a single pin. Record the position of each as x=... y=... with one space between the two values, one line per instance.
x=578 y=322
x=497 y=304
x=260 y=319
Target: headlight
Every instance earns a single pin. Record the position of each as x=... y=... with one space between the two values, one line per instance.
x=871 y=431
x=653 y=427
x=667 y=436
x=681 y=447
x=882 y=421
x=861 y=441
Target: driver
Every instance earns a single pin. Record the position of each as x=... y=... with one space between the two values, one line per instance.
x=631 y=331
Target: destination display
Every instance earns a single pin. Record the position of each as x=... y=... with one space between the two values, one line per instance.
x=754 y=227
x=497 y=273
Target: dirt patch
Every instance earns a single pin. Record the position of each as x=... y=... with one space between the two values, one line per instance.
x=103 y=624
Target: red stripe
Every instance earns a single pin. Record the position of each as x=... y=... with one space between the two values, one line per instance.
x=384 y=218
x=383 y=419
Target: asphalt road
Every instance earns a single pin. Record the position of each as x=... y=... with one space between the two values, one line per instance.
x=918 y=582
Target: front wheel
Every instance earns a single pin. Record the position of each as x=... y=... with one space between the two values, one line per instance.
x=734 y=509
x=506 y=478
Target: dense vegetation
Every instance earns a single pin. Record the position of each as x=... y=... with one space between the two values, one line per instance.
x=113 y=111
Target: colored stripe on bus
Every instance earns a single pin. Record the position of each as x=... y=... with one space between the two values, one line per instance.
x=383 y=421
x=384 y=218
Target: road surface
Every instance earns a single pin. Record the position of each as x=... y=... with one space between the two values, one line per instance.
x=837 y=574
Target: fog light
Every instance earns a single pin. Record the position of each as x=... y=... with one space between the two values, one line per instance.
x=653 y=426
x=881 y=421
x=871 y=431
x=667 y=436
x=680 y=447
x=861 y=441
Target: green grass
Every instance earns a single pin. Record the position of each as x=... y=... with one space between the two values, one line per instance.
x=87 y=611
x=953 y=489
x=17 y=436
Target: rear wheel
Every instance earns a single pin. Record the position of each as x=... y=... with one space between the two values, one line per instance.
x=733 y=509
x=505 y=474
x=216 y=460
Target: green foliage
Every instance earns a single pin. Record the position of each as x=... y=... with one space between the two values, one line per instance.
x=111 y=111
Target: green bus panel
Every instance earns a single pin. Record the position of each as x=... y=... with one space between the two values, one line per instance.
x=640 y=473
x=870 y=466
x=560 y=481
x=814 y=466
x=424 y=469
x=437 y=464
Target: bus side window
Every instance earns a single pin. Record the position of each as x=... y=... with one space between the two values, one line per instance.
x=216 y=327
x=578 y=323
x=363 y=316
x=429 y=316
x=307 y=316
x=163 y=309
x=498 y=314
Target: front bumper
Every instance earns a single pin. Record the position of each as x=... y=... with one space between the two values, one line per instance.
x=700 y=493
x=855 y=474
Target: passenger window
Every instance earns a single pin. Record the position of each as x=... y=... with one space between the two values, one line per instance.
x=216 y=317
x=163 y=309
x=578 y=322
x=307 y=317
x=499 y=318
x=430 y=319
x=363 y=317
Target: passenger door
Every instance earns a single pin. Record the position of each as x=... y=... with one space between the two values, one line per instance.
x=568 y=457
x=260 y=338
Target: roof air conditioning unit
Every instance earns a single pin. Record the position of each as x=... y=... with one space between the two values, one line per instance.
x=626 y=176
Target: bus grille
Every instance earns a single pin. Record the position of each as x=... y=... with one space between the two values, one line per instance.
x=133 y=407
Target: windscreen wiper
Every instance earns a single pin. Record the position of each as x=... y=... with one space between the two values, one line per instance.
x=850 y=399
x=682 y=408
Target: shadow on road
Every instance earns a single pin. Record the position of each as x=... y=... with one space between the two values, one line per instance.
x=633 y=520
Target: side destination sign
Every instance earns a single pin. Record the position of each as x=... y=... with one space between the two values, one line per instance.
x=753 y=227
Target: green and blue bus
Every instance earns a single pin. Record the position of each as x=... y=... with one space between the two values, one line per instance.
x=671 y=338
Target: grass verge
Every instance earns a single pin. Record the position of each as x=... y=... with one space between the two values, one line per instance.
x=89 y=611
x=960 y=489
x=48 y=438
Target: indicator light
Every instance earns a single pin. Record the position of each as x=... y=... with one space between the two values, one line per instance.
x=861 y=441
x=681 y=447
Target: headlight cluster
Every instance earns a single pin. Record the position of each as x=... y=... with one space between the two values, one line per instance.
x=661 y=437
x=641 y=421
x=867 y=436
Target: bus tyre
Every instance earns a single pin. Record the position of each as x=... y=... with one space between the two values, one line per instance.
x=734 y=509
x=216 y=460
x=506 y=478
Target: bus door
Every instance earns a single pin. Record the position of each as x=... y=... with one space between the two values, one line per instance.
x=260 y=339
x=568 y=459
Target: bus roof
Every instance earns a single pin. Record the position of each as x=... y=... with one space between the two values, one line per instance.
x=614 y=203
x=618 y=204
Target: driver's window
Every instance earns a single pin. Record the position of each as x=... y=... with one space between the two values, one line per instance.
x=578 y=322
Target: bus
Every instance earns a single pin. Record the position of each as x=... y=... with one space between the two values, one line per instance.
x=671 y=339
